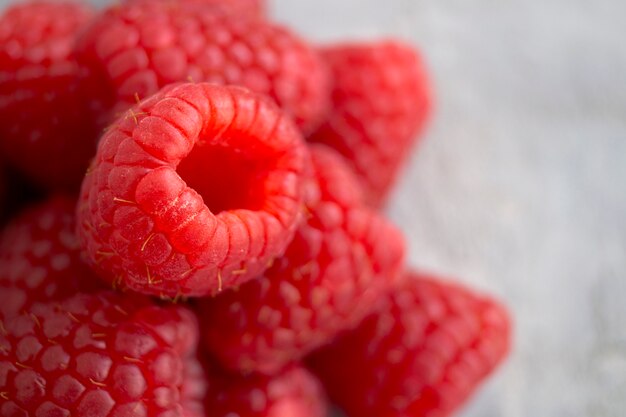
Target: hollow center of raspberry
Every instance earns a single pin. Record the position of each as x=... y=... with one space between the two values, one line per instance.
x=225 y=179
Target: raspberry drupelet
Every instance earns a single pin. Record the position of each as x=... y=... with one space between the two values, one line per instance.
x=423 y=355
x=196 y=190
x=40 y=256
x=381 y=99
x=45 y=130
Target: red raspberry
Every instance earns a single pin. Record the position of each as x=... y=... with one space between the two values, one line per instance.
x=44 y=128
x=135 y=49
x=40 y=254
x=99 y=355
x=293 y=393
x=380 y=101
x=336 y=268
x=194 y=190
x=423 y=355
x=194 y=389
x=237 y=7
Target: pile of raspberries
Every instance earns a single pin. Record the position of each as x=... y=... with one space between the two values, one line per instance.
x=192 y=225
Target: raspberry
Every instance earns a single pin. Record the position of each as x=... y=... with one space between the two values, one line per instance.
x=194 y=190
x=337 y=266
x=423 y=355
x=293 y=393
x=135 y=49
x=380 y=101
x=236 y=7
x=45 y=131
x=40 y=254
x=3 y=192
x=194 y=389
x=96 y=356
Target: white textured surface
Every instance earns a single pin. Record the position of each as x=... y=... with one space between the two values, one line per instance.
x=520 y=186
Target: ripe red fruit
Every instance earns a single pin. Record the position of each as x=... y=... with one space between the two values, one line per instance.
x=40 y=257
x=292 y=393
x=380 y=102
x=236 y=7
x=333 y=273
x=3 y=192
x=195 y=190
x=239 y=7
x=135 y=49
x=194 y=388
x=45 y=131
x=423 y=355
x=96 y=356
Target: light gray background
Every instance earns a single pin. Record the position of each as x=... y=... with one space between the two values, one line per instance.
x=520 y=185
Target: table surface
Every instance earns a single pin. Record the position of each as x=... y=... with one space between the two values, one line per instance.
x=519 y=187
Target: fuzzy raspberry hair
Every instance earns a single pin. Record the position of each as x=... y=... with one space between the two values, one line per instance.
x=339 y=264
x=134 y=49
x=423 y=355
x=193 y=191
x=381 y=100
x=45 y=130
x=101 y=355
